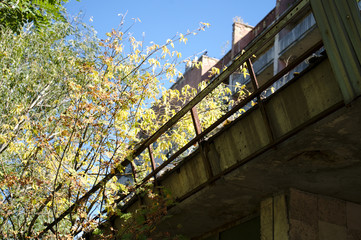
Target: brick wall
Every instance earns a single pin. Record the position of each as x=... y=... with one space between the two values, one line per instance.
x=283 y=5
x=240 y=30
x=240 y=44
x=194 y=76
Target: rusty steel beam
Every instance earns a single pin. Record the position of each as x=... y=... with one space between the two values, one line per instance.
x=134 y=172
x=265 y=117
x=196 y=122
x=151 y=157
x=152 y=162
x=201 y=142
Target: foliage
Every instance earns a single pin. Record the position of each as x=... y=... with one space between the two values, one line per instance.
x=143 y=222
x=37 y=69
x=14 y=14
x=73 y=109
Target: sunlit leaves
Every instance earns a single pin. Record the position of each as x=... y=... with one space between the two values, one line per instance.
x=74 y=108
x=38 y=83
x=214 y=71
x=244 y=70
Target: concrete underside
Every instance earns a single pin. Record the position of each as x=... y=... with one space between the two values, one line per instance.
x=316 y=147
x=323 y=157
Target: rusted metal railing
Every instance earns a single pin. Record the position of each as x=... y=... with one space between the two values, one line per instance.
x=256 y=46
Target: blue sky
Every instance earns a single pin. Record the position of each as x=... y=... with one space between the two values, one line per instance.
x=162 y=19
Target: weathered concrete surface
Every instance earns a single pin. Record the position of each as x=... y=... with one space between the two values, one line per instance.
x=311 y=152
x=309 y=217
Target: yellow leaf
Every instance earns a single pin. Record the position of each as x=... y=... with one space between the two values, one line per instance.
x=2 y=139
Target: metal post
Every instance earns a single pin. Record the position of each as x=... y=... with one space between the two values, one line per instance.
x=201 y=142
x=152 y=162
x=196 y=122
x=151 y=157
x=134 y=173
x=259 y=100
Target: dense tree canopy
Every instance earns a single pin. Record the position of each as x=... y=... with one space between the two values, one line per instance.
x=14 y=14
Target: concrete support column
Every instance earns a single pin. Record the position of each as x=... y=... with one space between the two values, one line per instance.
x=299 y=215
x=274 y=218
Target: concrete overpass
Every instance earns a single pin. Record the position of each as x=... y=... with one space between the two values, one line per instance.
x=289 y=168
x=317 y=149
